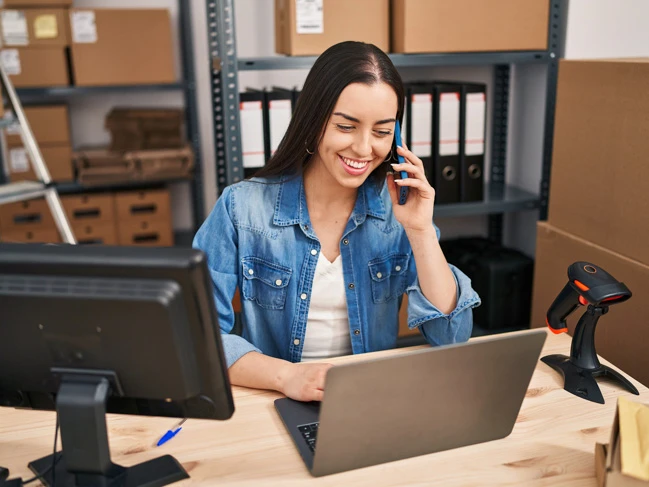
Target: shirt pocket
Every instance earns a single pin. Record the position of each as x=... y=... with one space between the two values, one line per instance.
x=389 y=277
x=265 y=282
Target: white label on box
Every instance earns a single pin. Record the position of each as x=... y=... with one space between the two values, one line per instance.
x=10 y=59
x=14 y=128
x=449 y=127
x=280 y=117
x=18 y=161
x=14 y=28
x=422 y=124
x=252 y=134
x=309 y=16
x=475 y=124
x=84 y=27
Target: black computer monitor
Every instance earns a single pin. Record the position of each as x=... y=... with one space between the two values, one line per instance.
x=88 y=330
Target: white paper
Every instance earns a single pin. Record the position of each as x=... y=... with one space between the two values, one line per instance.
x=84 y=27
x=475 y=124
x=252 y=134
x=449 y=128
x=18 y=161
x=309 y=16
x=14 y=128
x=10 y=59
x=14 y=28
x=422 y=124
x=280 y=117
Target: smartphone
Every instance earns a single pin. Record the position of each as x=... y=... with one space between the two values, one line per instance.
x=403 y=190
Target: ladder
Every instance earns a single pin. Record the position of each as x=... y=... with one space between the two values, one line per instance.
x=44 y=187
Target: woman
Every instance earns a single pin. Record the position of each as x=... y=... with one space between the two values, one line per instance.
x=318 y=245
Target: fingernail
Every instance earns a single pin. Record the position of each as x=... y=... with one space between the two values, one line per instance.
x=394 y=165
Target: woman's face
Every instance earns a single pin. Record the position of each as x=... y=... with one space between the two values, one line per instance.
x=358 y=136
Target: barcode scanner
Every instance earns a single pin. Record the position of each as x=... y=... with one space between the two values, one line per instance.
x=403 y=190
x=591 y=286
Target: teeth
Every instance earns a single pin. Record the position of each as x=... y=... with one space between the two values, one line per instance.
x=354 y=164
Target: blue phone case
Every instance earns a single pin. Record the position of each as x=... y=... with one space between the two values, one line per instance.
x=403 y=190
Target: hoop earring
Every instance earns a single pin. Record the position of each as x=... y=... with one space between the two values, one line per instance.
x=389 y=158
x=306 y=147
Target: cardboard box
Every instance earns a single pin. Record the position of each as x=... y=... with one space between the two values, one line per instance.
x=622 y=333
x=32 y=215
x=57 y=157
x=134 y=206
x=146 y=232
x=468 y=25
x=50 y=124
x=162 y=164
x=36 y=67
x=95 y=233
x=598 y=187
x=145 y=128
x=89 y=209
x=38 y=3
x=36 y=27
x=117 y=47
x=101 y=166
x=309 y=31
x=608 y=461
x=39 y=235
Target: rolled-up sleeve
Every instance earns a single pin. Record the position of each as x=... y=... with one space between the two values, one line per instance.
x=439 y=328
x=217 y=238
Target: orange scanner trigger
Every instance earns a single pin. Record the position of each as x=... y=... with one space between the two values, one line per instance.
x=582 y=301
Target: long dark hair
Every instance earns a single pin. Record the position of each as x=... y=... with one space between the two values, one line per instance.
x=340 y=65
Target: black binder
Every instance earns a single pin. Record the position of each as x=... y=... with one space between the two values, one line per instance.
x=251 y=115
x=293 y=93
x=473 y=109
x=446 y=142
x=419 y=124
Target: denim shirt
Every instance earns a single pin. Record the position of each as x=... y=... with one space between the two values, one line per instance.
x=259 y=238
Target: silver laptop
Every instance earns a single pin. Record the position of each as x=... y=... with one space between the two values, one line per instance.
x=421 y=402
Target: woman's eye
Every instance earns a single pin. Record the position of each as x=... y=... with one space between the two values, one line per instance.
x=383 y=133
x=345 y=128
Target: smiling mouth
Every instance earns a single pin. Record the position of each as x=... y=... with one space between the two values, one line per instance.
x=356 y=164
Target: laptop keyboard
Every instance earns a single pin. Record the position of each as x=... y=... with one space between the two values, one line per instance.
x=309 y=433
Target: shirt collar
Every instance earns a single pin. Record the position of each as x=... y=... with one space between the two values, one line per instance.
x=291 y=209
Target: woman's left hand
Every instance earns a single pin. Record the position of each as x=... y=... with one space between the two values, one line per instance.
x=417 y=213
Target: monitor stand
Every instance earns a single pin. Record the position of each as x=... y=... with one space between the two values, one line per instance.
x=85 y=457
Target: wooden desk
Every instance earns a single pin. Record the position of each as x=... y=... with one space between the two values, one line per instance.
x=552 y=443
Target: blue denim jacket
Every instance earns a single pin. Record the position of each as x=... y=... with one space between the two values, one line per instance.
x=259 y=238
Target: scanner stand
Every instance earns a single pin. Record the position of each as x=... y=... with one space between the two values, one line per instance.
x=85 y=457
x=582 y=367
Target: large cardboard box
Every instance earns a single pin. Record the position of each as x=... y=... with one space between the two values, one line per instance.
x=117 y=47
x=303 y=28
x=36 y=27
x=469 y=25
x=598 y=188
x=622 y=333
x=57 y=157
x=40 y=235
x=84 y=209
x=95 y=233
x=24 y=216
x=50 y=125
x=29 y=67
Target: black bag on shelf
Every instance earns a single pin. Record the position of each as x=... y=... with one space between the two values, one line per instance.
x=501 y=276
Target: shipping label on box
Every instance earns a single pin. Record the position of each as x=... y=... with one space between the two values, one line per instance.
x=309 y=16
x=14 y=28
x=84 y=27
x=10 y=59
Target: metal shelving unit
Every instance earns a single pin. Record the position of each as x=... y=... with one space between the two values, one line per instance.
x=499 y=197
x=187 y=86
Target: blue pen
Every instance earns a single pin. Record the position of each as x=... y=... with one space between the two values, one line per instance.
x=171 y=433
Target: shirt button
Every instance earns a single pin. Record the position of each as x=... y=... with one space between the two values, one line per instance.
x=345 y=241
x=314 y=252
x=357 y=332
x=379 y=275
x=397 y=268
x=351 y=285
x=303 y=296
x=296 y=342
x=251 y=272
x=278 y=282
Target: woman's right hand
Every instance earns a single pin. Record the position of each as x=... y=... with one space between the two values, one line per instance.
x=304 y=382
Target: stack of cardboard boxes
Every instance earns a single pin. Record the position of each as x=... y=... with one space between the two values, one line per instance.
x=51 y=128
x=412 y=26
x=599 y=203
x=47 y=43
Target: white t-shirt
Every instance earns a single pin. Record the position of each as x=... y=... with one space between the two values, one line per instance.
x=327 y=326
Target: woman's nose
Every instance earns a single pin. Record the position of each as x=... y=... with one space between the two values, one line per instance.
x=362 y=145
